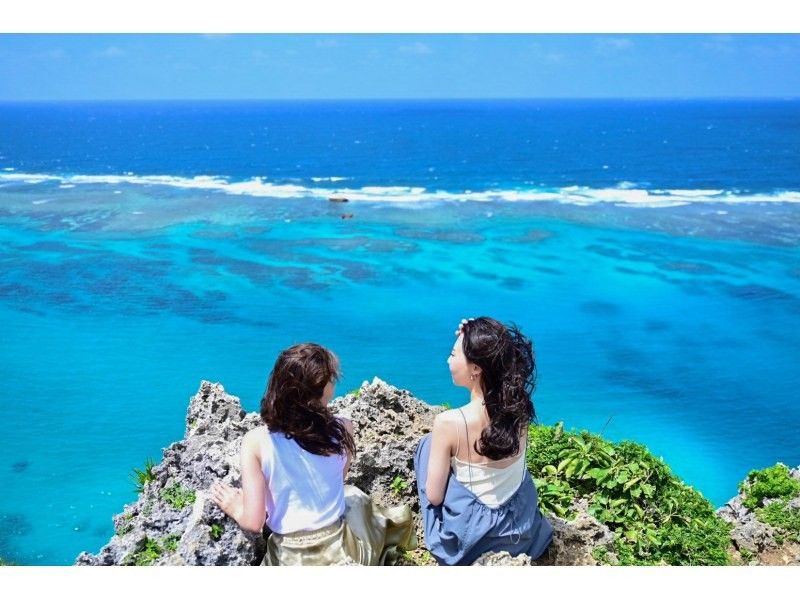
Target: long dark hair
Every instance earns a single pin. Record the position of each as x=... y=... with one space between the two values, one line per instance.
x=292 y=403
x=508 y=378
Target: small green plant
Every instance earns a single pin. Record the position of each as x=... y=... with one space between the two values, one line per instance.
x=150 y=551
x=419 y=557
x=770 y=482
x=216 y=531
x=125 y=524
x=399 y=485
x=141 y=477
x=446 y=406
x=355 y=392
x=147 y=554
x=170 y=542
x=177 y=496
x=600 y=554
x=746 y=555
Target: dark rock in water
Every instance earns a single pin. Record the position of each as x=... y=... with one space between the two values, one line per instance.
x=600 y=308
x=20 y=466
x=347 y=216
x=338 y=199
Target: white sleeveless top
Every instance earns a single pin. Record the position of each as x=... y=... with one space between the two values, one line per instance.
x=492 y=485
x=305 y=491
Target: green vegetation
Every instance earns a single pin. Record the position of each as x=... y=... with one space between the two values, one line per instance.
x=771 y=482
x=356 y=392
x=125 y=524
x=777 y=484
x=600 y=554
x=140 y=477
x=177 y=496
x=216 y=531
x=150 y=551
x=170 y=543
x=419 y=557
x=655 y=517
x=146 y=555
x=398 y=485
x=446 y=406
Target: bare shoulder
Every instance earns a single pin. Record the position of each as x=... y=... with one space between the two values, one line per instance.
x=348 y=423
x=255 y=438
x=451 y=415
x=444 y=422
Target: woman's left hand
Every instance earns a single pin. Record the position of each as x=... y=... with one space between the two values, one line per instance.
x=227 y=498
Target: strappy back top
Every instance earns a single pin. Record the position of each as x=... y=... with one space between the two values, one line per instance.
x=491 y=484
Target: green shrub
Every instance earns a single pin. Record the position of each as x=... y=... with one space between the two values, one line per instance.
x=125 y=524
x=147 y=554
x=140 y=477
x=782 y=517
x=654 y=516
x=150 y=551
x=770 y=482
x=170 y=543
x=177 y=496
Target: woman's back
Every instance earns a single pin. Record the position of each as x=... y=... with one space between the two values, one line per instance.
x=304 y=491
x=492 y=481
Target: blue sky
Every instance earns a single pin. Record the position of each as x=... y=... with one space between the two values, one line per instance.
x=285 y=66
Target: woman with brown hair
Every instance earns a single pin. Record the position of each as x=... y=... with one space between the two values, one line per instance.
x=293 y=471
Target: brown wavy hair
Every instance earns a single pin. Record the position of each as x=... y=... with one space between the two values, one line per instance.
x=508 y=367
x=292 y=403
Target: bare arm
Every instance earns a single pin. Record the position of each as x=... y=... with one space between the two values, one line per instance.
x=439 y=460
x=245 y=506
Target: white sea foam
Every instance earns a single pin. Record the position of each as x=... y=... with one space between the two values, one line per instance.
x=625 y=194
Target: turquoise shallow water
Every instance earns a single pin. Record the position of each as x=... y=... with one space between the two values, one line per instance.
x=677 y=323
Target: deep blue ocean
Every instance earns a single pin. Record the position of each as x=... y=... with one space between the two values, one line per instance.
x=651 y=250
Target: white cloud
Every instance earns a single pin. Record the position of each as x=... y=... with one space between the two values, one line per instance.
x=111 y=52
x=56 y=54
x=721 y=44
x=613 y=44
x=416 y=48
x=327 y=43
x=542 y=54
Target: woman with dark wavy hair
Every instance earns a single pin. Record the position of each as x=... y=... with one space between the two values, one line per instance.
x=293 y=471
x=475 y=490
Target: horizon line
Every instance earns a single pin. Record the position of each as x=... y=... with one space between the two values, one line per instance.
x=397 y=99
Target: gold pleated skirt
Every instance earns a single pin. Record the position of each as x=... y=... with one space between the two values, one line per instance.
x=367 y=534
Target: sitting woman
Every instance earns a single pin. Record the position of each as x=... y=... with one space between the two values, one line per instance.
x=293 y=471
x=475 y=492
